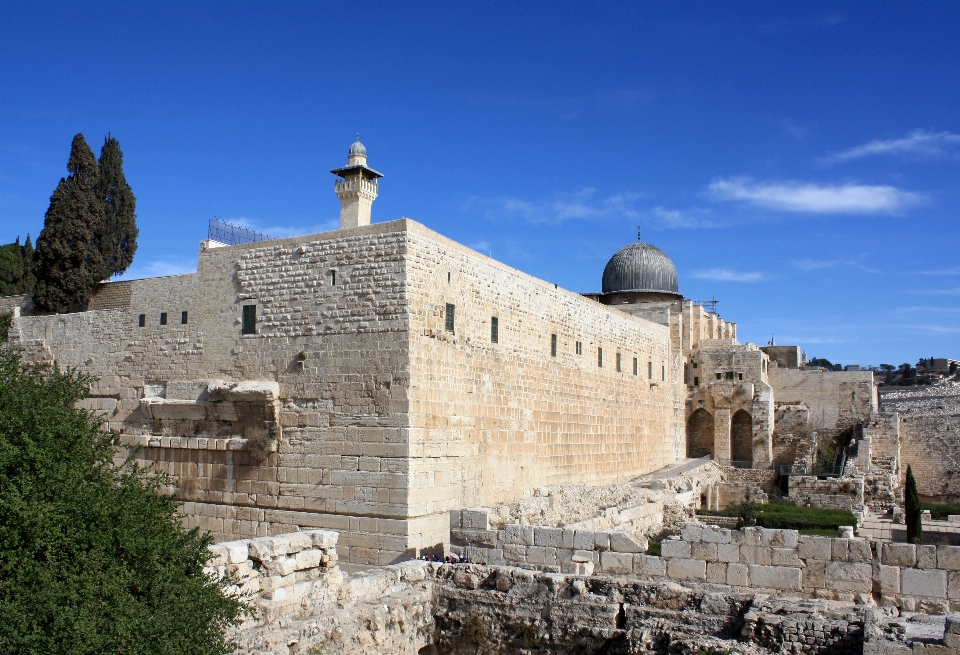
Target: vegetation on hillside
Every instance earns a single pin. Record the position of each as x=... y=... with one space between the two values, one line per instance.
x=93 y=556
x=787 y=516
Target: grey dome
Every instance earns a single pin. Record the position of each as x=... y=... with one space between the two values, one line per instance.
x=358 y=149
x=640 y=267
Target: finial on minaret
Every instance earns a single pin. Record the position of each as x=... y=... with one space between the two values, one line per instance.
x=356 y=187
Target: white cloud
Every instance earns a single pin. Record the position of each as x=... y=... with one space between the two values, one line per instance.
x=285 y=231
x=727 y=275
x=807 y=264
x=158 y=268
x=917 y=142
x=937 y=292
x=675 y=218
x=582 y=205
x=815 y=198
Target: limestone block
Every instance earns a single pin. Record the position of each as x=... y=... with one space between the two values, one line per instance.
x=779 y=538
x=611 y=562
x=308 y=559
x=715 y=535
x=751 y=536
x=297 y=541
x=920 y=582
x=649 y=565
x=691 y=532
x=814 y=574
x=728 y=553
x=785 y=557
x=840 y=550
x=811 y=547
x=755 y=555
x=686 y=569
x=899 y=555
x=674 y=548
x=585 y=556
x=455 y=518
x=704 y=551
x=948 y=558
x=775 y=577
x=951 y=631
x=860 y=551
x=518 y=534
x=323 y=538
x=475 y=519
x=515 y=553
x=264 y=548
x=282 y=566
x=738 y=575
x=926 y=557
x=717 y=572
x=953 y=585
x=849 y=576
x=591 y=540
x=889 y=579
x=622 y=542
x=583 y=568
x=552 y=537
x=220 y=555
x=536 y=555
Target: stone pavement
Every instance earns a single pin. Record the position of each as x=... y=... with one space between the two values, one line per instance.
x=880 y=528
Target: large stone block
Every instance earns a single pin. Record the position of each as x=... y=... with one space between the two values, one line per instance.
x=591 y=540
x=728 y=553
x=715 y=535
x=785 y=557
x=948 y=558
x=926 y=557
x=921 y=582
x=611 y=562
x=811 y=547
x=623 y=542
x=899 y=555
x=518 y=535
x=756 y=555
x=860 y=551
x=717 y=572
x=704 y=551
x=674 y=548
x=692 y=532
x=778 y=538
x=738 y=575
x=953 y=585
x=552 y=537
x=475 y=519
x=849 y=576
x=686 y=569
x=775 y=577
x=649 y=565
x=888 y=578
x=814 y=575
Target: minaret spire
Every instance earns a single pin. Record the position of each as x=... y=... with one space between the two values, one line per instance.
x=356 y=187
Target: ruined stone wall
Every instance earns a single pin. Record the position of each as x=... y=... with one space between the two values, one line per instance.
x=836 y=400
x=491 y=420
x=931 y=446
x=830 y=493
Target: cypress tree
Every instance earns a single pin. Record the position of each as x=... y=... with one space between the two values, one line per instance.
x=27 y=281
x=67 y=261
x=11 y=268
x=912 y=510
x=117 y=241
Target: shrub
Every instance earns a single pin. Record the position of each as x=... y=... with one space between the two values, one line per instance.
x=789 y=516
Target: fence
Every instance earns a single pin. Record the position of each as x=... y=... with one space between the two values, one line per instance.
x=233 y=234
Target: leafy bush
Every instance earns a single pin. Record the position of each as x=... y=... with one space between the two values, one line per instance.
x=789 y=516
x=93 y=557
x=653 y=548
x=940 y=511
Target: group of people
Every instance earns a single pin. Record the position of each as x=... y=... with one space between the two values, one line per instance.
x=452 y=558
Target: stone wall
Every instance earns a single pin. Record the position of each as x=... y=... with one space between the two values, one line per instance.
x=351 y=407
x=830 y=493
x=836 y=401
x=931 y=446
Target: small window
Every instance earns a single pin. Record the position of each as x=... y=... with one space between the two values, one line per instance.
x=448 y=322
x=600 y=357
x=163 y=318
x=494 y=329
x=696 y=381
x=618 y=363
x=183 y=318
x=579 y=347
x=694 y=365
x=719 y=376
x=663 y=373
x=739 y=376
x=553 y=345
x=448 y=277
x=636 y=365
x=649 y=370
x=729 y=375
x=333 y=278
x=249 y=320
x=142 y=320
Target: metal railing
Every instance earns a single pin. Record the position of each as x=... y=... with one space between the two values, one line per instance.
x=233 y=234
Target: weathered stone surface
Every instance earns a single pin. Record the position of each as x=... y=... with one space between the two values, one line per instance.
x=889 y=579
x=622 y=542
x=779 y=538
x=849 y=576
x=813 y=547
x=899 y=555
x=674 y=548
x=686 y=569
x=920 y=582
x=738 y=575
x=926 y=557
x=649 y=565
x=775 y=577
x=948 y=558
x=611 y=562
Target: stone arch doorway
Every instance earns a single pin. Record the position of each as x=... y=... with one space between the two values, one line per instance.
x=741 y=437
x=700 y=434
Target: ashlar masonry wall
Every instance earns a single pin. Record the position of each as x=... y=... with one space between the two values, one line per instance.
x=931 y=446
x=835 y=400
x=490 y=420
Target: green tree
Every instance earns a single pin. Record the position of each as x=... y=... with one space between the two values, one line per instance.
x=28 y=279
x=67 y=262
x=11 y=268
x=93 y=557
x=912 y=510
x=117 y=241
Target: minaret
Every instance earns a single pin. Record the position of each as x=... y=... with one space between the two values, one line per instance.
x=356 y=187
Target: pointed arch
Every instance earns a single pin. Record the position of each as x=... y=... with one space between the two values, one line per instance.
x=700 y=434
x=741 y=437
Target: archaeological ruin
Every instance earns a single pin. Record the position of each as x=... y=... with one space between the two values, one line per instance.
x=336 y=407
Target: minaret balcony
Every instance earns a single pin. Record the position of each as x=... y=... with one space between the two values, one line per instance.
x=356 y=185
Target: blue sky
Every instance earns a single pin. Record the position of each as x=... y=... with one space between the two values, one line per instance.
x=798 y=161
